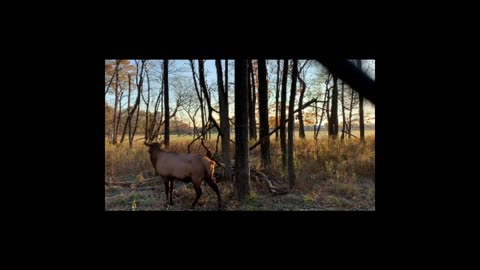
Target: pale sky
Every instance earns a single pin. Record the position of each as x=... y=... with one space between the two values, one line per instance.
x=180 y=71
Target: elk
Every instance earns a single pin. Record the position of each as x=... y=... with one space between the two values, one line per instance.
x=188 y=168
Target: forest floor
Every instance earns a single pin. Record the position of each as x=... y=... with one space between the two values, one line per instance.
x=329 y=177
x=322 y=196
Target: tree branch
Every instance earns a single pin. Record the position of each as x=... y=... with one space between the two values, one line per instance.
x=281 y=124
x=353 y=76
x=349 y=133
x=199 y=136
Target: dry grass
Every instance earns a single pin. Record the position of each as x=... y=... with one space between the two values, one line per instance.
x=329 y=176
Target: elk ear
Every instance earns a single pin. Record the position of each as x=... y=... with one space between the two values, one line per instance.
x=147 y=144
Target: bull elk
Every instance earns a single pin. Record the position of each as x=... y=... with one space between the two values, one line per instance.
x=188 y=168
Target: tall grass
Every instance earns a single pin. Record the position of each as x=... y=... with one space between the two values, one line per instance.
x=334 y=160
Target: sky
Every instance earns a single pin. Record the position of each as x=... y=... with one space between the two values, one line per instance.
x=181 y=71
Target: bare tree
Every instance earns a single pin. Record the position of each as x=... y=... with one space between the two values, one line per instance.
x=362 y=121
x=291 y=124
x=159 y=102
x=343 y=112
x=192 y=108
x=252 y=100
x=226 y=76
x=328 y=110
x=263 y=106
x=303 y=86
x=166 y=138
x=242 y=172
x=128 y=108
x=277 y=97
x=114 y=137
x=315 y=135
x=130 y=142
x=119 y=118
x=199 y=94
x=203 y=86
x=334 y=112
x=113 y=76
x=283 y=108
x=279 y=126
x=316 y=130
x=147 y=103
x=153 y=132
x=224 y=124
x=131 y=112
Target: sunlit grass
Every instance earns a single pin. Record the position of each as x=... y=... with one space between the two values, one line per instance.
x=329 y=174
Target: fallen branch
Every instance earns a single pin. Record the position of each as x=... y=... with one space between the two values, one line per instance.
x=274 y=190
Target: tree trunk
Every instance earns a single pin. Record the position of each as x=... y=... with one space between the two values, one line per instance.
x=263 y=106
x=252 y=97
x=226 y=77
x=224 y=123
x=119 y=119
x=321 y=116
x=159 y=102
x=277 y=92
x=283 y=116
x=154 y=126
x=199 y=95
x=301 y=129
x=315 y=127
x=328 y=111
x=135 y=127
x=162 y=112
x=291 y=125
x=166 y=138
x=362 y=121
x=334 y=112
x=128 y=111
x=352 y=98
x=242 y=172
x=343 y=112
x=114 y=137
x=147 y=103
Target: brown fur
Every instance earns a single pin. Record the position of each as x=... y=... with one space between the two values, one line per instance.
x=185 y=167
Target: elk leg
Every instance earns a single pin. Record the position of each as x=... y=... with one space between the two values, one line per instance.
x=172 y=185
x=198 y=191
x=214 y=186
x=165 y=181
